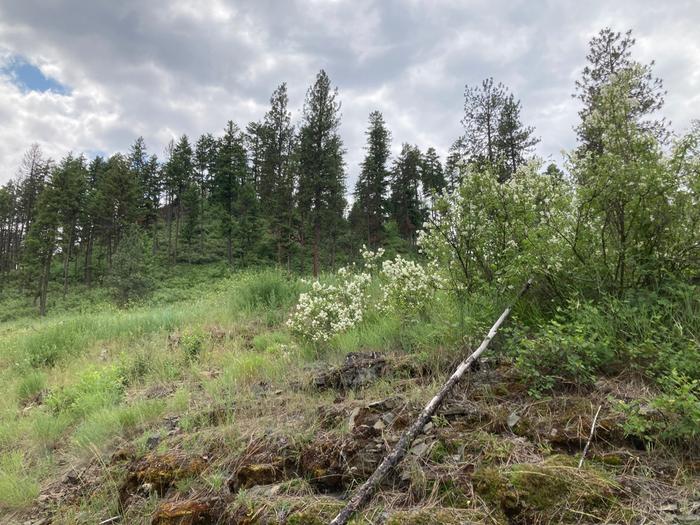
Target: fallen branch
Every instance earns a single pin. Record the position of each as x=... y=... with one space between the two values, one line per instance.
x=590 y=437
x=363 y=493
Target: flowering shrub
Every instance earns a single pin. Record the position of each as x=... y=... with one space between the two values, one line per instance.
x=328 y=309
x=408 y=286
x=371 y=259
x=487 y=232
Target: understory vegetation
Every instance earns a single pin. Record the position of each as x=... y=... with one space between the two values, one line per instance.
x=198 y=393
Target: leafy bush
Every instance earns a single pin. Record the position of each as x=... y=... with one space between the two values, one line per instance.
x=671 y=417
x=95 y=388
x=659 y=331
x=485 y=232
x=570 y=348
x=192 y=343
x=266 y=290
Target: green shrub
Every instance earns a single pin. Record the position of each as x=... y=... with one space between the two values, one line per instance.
x=570 y=348
x=192 y=343
x=671 y=417
x=95 y=389
x=658 y=331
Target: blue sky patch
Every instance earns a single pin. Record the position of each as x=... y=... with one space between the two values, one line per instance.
x=28 y=77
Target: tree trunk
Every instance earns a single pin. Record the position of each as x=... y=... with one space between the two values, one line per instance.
x=88 y=260
x=177 y=231
x=44 y=286
x=317 y=243
x=169 y=216
x=66 y=261
x=154 y=248
x=365 y=490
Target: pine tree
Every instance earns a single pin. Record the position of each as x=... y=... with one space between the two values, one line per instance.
x=69 y=185
x=255 y=146
x=372 y=184
x=494 y=138
x=41 y=245
x=514 y=140
x=90 y=215
x=321 y=174
x=230 y=173
x=406 y=208
x=205 y=157
x=116 y=202
x=433 y=177
x=610 y=54
x=9 y=227
x=482 y=110
x=179 y=172
x=147 y=172
x=276 y=185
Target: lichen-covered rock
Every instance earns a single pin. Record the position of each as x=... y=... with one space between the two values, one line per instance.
x=359 y=370
x=319 y=512
x=188 y=512
x=257 y=474
x=553 y=490
x=158 y=472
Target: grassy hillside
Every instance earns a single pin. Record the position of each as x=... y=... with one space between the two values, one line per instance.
x=207 y=409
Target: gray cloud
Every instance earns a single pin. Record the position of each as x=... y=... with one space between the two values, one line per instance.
x=163 y=68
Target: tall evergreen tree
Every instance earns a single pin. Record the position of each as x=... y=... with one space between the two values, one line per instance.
x=179 y=173
x=41 y=245
x=494 y=137
x=116 y=202
x=514 y=140
x=205 y=158
x=432 y=175
x=321 y=174
x=255 y=133
x=148 y=174
x=482 y=110
x=406 y=207
x=610 y=54
x=90 y=214
x=372 y=184
x=69 y=185
x=277 y=177
x=230 y=173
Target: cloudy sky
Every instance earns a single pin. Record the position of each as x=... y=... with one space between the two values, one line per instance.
x=90 y=76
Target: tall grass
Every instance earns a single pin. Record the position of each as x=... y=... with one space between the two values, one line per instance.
x=59 y=339
x=17 y=486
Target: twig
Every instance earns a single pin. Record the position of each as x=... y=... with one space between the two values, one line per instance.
x=365 y=490
x=590 y=437
x=113 y=519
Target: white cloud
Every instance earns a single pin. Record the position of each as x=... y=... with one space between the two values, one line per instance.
x=163 y=68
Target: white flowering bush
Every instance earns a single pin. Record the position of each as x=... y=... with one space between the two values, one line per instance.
x=408 y=287
x=371 y=259
x=486 y=232
x=329 y=309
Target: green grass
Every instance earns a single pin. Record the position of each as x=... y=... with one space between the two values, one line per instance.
x=207 y=342
x=81 y=379
x=17 y=486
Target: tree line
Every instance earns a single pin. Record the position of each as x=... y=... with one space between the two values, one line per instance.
x=275 y=192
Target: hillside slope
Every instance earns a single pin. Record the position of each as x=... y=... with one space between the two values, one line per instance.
x=208 y=411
